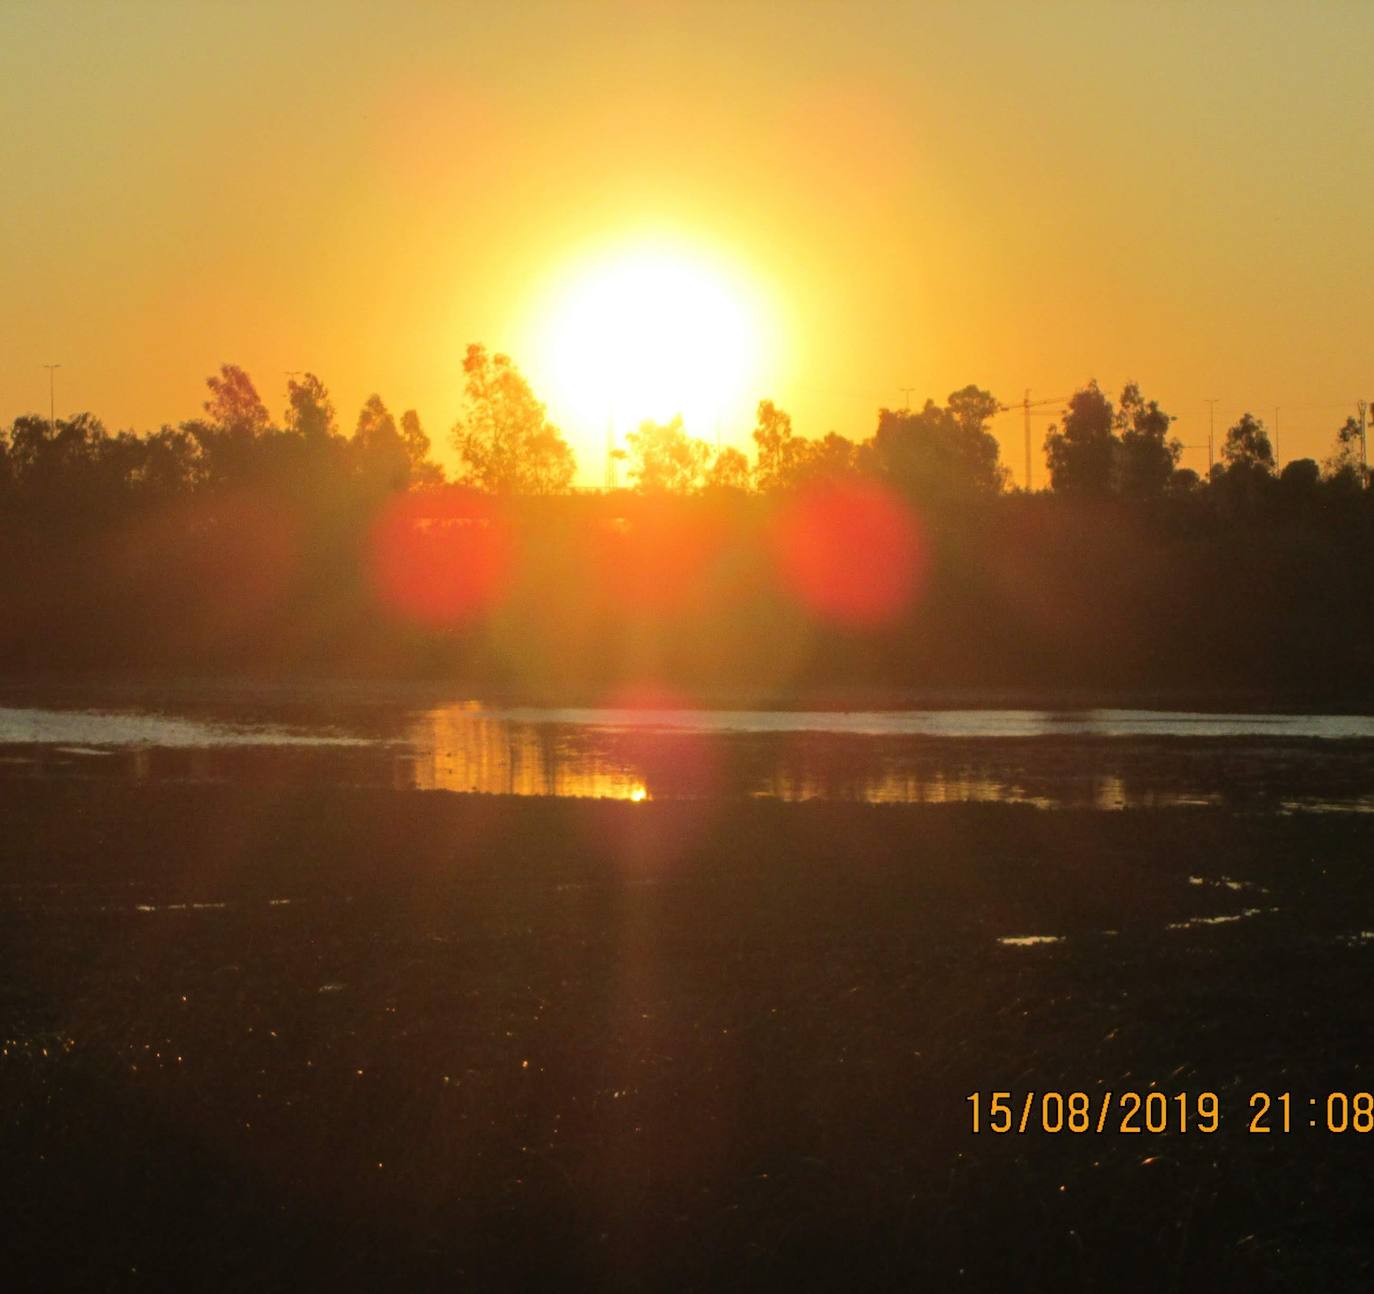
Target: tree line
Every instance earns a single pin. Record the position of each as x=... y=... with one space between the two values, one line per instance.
x=506 y=445
x=236 y=541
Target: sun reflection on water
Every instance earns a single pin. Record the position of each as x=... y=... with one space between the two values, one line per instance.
x=456 y=749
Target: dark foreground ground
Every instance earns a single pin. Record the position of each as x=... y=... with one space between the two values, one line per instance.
x=326 y=1039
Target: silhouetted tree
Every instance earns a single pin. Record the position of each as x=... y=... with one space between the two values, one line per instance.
x=1082 y=454
x=972 y=409
x=831 y=457
x=422 y=471
x=310 y=411
x=506 y=443
x=729 y=471
x=1183 y=481
x=234 y=405
x=1247 y=446
x=1343 y=463
x=664 y=459
x=1244 y=480
x=779 y=453
x=1300 y=484
x=236 y=417
x=1145 y=457
x=41 y=451
x=170 y=462
x=940 y=453
x=378 y=449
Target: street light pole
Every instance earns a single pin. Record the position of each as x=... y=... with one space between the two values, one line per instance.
x=52 y=395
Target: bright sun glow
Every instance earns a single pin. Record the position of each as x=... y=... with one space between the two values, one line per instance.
x=649 y=332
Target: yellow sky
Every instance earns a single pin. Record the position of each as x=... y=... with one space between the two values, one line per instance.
x=924 y=194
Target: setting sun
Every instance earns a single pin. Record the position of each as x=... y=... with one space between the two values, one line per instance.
x=649 y=331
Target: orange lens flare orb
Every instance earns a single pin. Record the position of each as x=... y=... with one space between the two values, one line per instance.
x=440 y=556
x=851 y=552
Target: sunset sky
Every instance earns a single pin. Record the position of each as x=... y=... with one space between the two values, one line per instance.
x=886 y=196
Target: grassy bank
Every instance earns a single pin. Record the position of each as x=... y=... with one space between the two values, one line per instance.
x=346 y=1037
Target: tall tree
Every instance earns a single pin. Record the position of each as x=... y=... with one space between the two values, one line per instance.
x=1343 y=463
x=833 y=456
x=664 y=459
x=729 y=471
x=236 y=420
x=1146 y=457
x=506 y=443
x=1081 y=453
x=1247 y=445
x=940 y=453
x=422 y=470
x=377 y=448
x=780 y=453
x=234 y=405
x=310 y=412
x=972 y=409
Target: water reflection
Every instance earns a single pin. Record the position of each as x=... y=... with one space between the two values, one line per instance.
x=455 y=748
x=1101 y=760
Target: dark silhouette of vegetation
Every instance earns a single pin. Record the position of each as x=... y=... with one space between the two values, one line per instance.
x=1082 y=453
x=506 y=443
x=664 y=459
x=1146 y=459
x=233 y=543
x=939 y=453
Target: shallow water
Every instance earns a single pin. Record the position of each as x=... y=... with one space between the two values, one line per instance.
x=1105 y=759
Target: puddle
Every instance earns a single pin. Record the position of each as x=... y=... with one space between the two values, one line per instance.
x=1227 y=919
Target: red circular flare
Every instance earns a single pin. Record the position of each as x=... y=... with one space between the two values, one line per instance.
x=850 y=551
x=439 y=556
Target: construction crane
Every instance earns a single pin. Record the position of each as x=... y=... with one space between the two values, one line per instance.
x=1026 y=405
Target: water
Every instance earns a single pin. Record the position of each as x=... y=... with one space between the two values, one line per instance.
x=1105 y=759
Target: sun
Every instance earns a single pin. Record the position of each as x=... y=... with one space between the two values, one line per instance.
x=650 y=331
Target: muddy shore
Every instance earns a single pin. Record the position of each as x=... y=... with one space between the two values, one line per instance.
x=288 y=1036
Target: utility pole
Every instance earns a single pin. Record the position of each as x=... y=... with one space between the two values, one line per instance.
x=906 y=395
x=1025 y=408
x=1276 y=437
x=1211 y=434
x=610 y=454
x=1026 y=404
x=1364 y=449
x=52 y=397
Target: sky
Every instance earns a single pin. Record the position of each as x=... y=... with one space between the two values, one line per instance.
x=916 y=195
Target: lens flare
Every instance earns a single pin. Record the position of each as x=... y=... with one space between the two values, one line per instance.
x=850 y=552
x=440 y=556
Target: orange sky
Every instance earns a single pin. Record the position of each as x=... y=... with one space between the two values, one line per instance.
x=924 y=194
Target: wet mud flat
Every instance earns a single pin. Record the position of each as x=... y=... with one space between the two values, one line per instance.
x=293 y=1035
